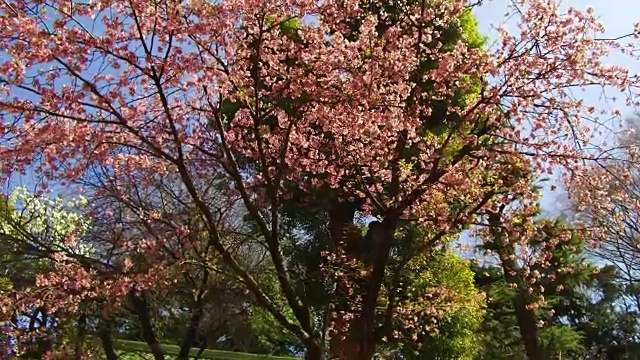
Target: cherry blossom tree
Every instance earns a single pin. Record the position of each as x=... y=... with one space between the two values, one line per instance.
x=538 y=259
x=350 y=108
x=613 y=225
x=72 y=278
x=167 y=267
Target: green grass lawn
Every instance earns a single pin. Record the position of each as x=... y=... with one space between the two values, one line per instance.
x=136 y=350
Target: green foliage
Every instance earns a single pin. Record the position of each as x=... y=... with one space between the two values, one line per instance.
x=5 y=284
x=455 y=334
x=582 y=312
x=469 y=30
x=606 y=314
x=499 y=332
x=274 y=338
x=288 y=27
x=561 y=341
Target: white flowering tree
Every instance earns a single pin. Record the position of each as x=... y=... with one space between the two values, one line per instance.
x=35 y=229
x=51 y=222
x=38 y=234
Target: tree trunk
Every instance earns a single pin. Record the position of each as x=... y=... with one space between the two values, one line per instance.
x=80 y=337
x=190 y=335
x=341 y=216
x=314 y=351
x=45 y=344
x=525 y=317
x=343 y=346
x=380 y=241
x=357 y=299
x=141 y=308
x=343 y=342
x=528 y=329
x=107 y=340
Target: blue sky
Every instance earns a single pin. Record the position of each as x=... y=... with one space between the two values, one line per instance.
x=617 y=17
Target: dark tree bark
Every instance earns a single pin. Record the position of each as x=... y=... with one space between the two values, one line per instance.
x=525 y=317
x=314 y=351
x=80 y=338
x=190 y=336
x=141 y=309
x=358 y=339
x=104 y=333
